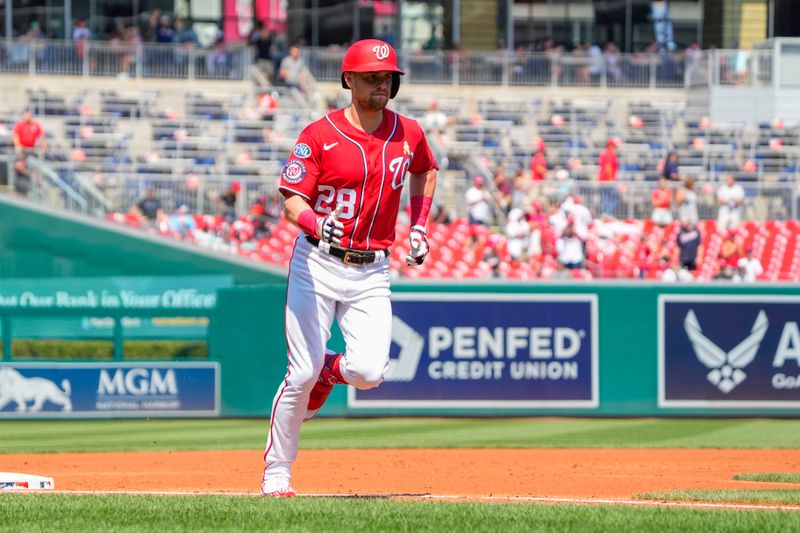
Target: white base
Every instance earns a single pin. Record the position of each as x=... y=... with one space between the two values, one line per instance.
x=12 y=481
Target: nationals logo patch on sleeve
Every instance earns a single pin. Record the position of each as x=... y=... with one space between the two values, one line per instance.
x=294 y=172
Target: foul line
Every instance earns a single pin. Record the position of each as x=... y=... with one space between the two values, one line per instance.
x=452 y=497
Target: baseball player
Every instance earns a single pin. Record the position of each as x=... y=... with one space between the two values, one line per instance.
x=342 y=186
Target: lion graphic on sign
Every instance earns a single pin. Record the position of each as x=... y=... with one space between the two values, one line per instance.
x=14 y=387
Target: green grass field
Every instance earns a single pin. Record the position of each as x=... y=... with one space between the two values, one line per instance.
x=220 y=513
x=130 y=435
x=58 y=512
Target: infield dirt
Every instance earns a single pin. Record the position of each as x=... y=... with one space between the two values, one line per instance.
x=568 y=473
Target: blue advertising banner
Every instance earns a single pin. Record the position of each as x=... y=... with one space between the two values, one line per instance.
x=489 y=350
x=729 y=351
x=109 y=390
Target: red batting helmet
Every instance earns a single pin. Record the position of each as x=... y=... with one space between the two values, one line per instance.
x=372 y=55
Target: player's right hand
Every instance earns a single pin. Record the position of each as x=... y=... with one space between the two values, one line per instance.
x=329 y=228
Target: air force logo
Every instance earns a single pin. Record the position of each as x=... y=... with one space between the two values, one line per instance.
x=726 y=368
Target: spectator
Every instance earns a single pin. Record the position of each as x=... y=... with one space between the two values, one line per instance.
x=686 y=199
x=165 y=34
x=689 y=244
x=730 y=198
x=670 y=171
x=519 y=191
x=537 y=221
x=729 y=254
x=749 y=268
x=80 y=31
x=434 y=121
x=263 y=44
x=644 y=256
x=609 y=166
x=693 y=55
x=480 y=202
x=613 y=63
x=579 y=214
x=26 y=132
x=186 y=38
x=518 y=234
x=570 y=249
x=539 y=162
x=227 y=201
x=181 y=223
x=258 y=217
x=293 y=70
x=503 y=186
x=149 y=208
x=184 y=32
x=662 y=200
x=217 y=57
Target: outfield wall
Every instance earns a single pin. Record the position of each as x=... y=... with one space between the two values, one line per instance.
x=611 y=349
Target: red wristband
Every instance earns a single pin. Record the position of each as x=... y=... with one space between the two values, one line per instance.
x=307 y=221
x=420 y=205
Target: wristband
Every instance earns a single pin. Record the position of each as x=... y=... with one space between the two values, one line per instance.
x=420 y=206
x=307 y=221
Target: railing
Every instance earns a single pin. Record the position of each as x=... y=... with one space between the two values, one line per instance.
x=523 y=69
x=181 y=61
x=640 y=70
x=106 y=59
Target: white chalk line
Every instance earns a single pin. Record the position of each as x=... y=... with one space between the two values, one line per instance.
x=452 y=497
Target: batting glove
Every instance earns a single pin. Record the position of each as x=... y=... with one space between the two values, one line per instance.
x=329 y=228
x=419 y=246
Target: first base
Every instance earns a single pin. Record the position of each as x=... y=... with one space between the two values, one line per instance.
x=12 y=481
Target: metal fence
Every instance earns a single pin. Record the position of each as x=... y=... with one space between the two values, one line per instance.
x=108 y=59
x=453 y=67
x=524 y=68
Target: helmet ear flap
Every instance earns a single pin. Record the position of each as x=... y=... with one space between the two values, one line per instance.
x=395 y=85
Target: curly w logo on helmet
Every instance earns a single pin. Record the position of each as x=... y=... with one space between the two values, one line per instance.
x=381 y=51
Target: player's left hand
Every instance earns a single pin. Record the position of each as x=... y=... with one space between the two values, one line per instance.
x=419 y=246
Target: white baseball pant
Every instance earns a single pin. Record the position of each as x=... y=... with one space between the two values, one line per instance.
x=320 y=287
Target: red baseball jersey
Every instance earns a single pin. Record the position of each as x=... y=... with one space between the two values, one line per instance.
x=335 y=164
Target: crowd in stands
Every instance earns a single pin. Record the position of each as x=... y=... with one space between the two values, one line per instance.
x=539 y=240
x=545 y=210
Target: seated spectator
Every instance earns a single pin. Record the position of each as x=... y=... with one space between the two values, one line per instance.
x=729 y=254
x=518 y=234
x=26 y=133
x=670 y=171
x=148 y=209
x=181 y=222
x=730 y=198
x=749 y=268
x=689 y=244
x=503 y=186
x=537 y=221
x=480 y=202
x=662 y=200
x=434 y=121
x=570 y=248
